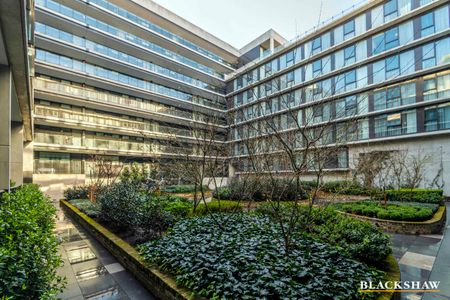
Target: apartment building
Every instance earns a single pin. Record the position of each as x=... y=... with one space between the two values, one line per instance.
x=385 y=66
x=16 y=67
x=127 y=80
x=130 y=80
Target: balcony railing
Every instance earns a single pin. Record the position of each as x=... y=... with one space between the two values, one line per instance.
x=72 y=90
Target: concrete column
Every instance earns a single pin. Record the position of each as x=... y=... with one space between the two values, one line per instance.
x=231 y=171
x=16 y=155
x=28 y=162
x=5 y=127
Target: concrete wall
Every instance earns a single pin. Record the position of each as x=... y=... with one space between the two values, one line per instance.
x=434 y=150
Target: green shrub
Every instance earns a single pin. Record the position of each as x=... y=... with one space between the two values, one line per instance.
x=223 y=193
x=121 y=205
x=215 y=206
x=76 y=192
x=183 y=188
x=28 y=247
x=415 y=195
x=359 y=239
x=391 y=211
x=347 y=188
x=247 y=260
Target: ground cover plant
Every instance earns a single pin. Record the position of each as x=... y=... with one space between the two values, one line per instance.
x=28 y=247
x=361 y=240
x=246 y=259
x=389 y=211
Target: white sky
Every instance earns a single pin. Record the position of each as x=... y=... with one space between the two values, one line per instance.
x=240 y=21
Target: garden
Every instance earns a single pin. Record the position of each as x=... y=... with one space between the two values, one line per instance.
x=281 y=247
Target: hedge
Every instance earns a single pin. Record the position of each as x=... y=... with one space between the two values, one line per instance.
x=28 y=246
x=415 y=195
x=396 y=212
x=183 y=188
x=217 y=206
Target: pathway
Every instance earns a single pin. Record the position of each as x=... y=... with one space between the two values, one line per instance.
x=425 y=257
x=91 y=271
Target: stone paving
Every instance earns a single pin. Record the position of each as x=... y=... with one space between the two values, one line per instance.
x=91 y=271
x=425 y=257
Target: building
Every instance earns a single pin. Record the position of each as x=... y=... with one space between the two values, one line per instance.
x=124 y=79
x=385 y=65
x=130 y=80
x=16 y=95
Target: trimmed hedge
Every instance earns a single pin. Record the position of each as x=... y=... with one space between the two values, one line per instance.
x=347 y=188
x=28 y=246
x=276 y=190
x=415 y=195
x=396 y=212
x=214 y=206
x=182 y=188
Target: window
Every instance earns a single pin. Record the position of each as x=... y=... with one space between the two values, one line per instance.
x=290 y=58
x=268 y=69
x=317 y=68
x=316 y=45
x=428 y=56
x=385 y=41
x=393 y=98
x=349 y=29
x=427 y=24
x=350 y=80
x=290 y=77
x=396 y=124
x=438 y=117
x=349 y=55
x=436 y=86
x=391 y=38
x=390 y=10
x=392 y=66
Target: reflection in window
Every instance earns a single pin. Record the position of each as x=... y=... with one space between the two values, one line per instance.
x=437 y=117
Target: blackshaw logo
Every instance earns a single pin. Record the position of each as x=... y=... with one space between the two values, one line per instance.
x=399 y=286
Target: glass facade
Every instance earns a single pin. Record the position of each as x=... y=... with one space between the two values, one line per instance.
x=368 y=87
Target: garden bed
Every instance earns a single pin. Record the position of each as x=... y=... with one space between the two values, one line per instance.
x=431 y=226
x=162 y=285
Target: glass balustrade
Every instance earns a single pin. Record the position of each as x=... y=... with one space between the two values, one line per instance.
x=103 y=120
x=109 y=98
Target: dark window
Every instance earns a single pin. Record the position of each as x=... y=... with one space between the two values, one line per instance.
x=349 y=28
x=390 y=8
x=391 y=38
x=350 y=106
x=317 y=67
x=268 y=68
x=378 y=44
x=289 y=58
x=393 y=97
x=392 y=63
x=427 y=24
x=290 y=77
x=431 y=119
x=350 y=78
x=349 y=54
x=316 y=44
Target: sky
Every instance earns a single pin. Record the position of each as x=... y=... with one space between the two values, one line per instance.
x=238 y=22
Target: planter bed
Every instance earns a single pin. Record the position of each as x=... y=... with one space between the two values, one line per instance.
x=162 y=285
x=431 y=226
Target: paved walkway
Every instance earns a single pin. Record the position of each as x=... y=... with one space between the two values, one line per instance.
x=91 y=271
x=425 y=257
